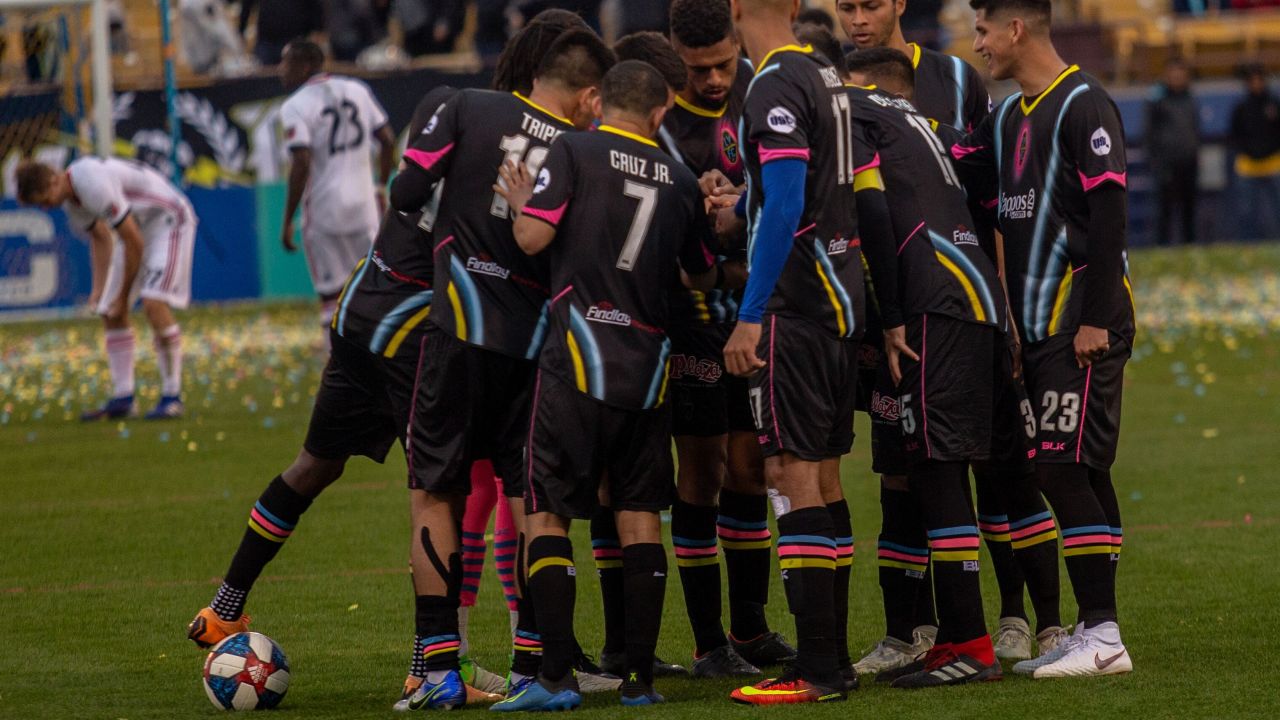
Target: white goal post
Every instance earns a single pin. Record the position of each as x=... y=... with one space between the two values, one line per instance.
x=99 y=65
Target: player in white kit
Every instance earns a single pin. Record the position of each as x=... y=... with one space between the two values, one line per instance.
x=149 y=257
x=329 y=123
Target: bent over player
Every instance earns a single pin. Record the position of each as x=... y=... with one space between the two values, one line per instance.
x=149 y=257
x=1057 y=149
x=621 y=221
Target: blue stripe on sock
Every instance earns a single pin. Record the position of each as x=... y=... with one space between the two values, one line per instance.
x=741 y=524
x=957 y=530
x=606 y=543
x=994 y=518
x=1086 y=530
x=438 y=638
x=903 y=548
x=806 y=540
x=1038 y=517
x=692 y=543
x=267 y=514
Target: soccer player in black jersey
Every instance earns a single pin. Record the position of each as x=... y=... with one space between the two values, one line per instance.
x=619 y=221
x=951 y=92
x=476 y=364
x=798 y=328
x=942 y=308
x=1057 y=150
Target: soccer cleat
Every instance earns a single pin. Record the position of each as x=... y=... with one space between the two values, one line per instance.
x=532 y=695
x=946 y=667
x=615 y=663
x=787 y=689
x=1098 y=652
x=448 y=694
x=593 y=679
x=1013 y=639
x=115 y=409
x=888 y=654
x=207 y=629
x=850 y=677
x=722 y=662
x=481 y=679
x=476 y=696
x=923 y=638
x=636 y=693
x=411 y=685
x=168 y=408
x=1029 y=667
x=764 y=650
x=1051 y=637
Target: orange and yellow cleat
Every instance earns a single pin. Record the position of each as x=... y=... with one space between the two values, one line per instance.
x=207 y=629
x=788 y=689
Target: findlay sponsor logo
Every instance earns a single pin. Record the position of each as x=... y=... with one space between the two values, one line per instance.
x=964 y=236
x=885 y=407
x=840 y=245
x=694 y=367
x=484 y=266
x=604 y=312
x=1018 y=207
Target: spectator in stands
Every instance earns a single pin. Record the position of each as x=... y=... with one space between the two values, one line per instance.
x=1173 y=146
x=354 y=25
x=641 y=15
x=280 y=21
x=920 y=23
x=209 y=44
x=1255 y=138
x=430 y=26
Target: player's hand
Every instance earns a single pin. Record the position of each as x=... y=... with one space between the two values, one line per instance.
x=895 y=346
x=286 y=237
x=1091 y=344
x=95 y=299
x=714 y=183
x=516 y=186
x=117 y=310
x=740 y=352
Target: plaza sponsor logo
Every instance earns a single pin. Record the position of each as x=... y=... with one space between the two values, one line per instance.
x=885 y=407
x=483 y=265
x=1018 y=207
x=964 y=236
x=605 y=312
x=692 y=367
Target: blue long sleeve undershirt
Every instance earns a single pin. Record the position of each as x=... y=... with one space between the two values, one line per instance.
x=784 y=182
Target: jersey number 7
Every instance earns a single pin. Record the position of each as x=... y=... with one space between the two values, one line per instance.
x=639 y=231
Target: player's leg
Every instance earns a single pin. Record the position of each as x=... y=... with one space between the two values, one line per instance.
x=1013 y=636
x=506 y=539
x=475 y=524
x=1078 y=433
x=833 y=498
x=121 y=345
x=743 y=529
x=166 y=285
x=350 y=417
x=167 y=337
x=332 y=259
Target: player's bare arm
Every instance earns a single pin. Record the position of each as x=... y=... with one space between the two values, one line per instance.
x=386 y=162
x=299 y=172
x=131 y=236
x=99 y=259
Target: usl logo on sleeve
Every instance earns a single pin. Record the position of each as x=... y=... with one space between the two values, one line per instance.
x=544 y=180
x=1100 y=142
x=782 y=120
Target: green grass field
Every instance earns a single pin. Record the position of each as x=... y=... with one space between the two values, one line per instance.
x=114 y=534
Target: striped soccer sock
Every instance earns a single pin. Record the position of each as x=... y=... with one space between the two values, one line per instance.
x=693 y=535
x=743 y=529
x=1105 y=491
x=606 y=548
x=1086 y=539
x=553 y=586
x=505 y=545
x=993 y=524
x=843 y=526
x=1033 y=539
x=807 y=556
x=436 y=628
x=526 y=643
x=902 y=554
x=271 y=522
x=941 y=490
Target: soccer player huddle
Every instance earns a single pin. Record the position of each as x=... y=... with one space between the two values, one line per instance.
x=669 y=240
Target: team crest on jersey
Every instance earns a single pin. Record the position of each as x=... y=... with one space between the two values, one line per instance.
x=1022 y=150
x=543 y=182
x=729 y=145
x=782 y=120
x=1100 y=142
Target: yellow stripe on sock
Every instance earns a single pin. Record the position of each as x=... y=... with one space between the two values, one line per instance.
x=1089 y=550
x=698 y=562
x=608 y=564
x=844 y=561
x=996 y=537
x=821 y=563
x=1035 y=539
x=901 y=565
x=264 y=533
x=549 y=562
x=746 y=544
x=954 y=555
x=441 y=651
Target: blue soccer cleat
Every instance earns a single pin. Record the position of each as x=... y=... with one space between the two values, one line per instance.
x=169 y=407
x=530 y=695
x=115 y=409
x=447 y=694
x=636 y=694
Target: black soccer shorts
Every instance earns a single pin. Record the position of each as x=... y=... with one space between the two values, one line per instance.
x=1013 y=422
x=362 y=406
x=803 y=399
x=576 y=442
x=706 y=401
x=1077 y=410
x=469 y=404
x=888 y=449
x=946 y=397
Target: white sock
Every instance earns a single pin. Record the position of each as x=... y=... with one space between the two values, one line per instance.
x=515 y=620
x=327 y=309
x=435 y=677
x=169 y=360
x=464 y=614
x=1107 y=632
x=120 y=347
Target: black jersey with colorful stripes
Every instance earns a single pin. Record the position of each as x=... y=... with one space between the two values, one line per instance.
x=941 y=267
x=797 y=108
x=948 y=89
x=1049 y=152
x=704 y=140
x=627 y=219
x=492 y=295
x=387 y=298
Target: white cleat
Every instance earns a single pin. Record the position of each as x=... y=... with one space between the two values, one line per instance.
x=1049 y=654
x=1013 y=639
x=1099 y=651
x=924 y=638
x=888 y=654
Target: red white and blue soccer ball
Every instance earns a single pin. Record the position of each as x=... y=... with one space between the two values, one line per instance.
x=246 y=671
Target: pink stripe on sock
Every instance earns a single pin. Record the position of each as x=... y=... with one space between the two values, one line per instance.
x=993 y=527
x=731 y=534
x=695 y=552
x=606 y=553
x=1086 y=540
x=1032 y=530
x=963 y=543
x=895 y=555
x=446 y=645
x=806 y=551
x=268 y=525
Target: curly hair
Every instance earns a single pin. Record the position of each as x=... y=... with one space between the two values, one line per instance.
x=523 y=52
x=700 y=23
x=654 y=49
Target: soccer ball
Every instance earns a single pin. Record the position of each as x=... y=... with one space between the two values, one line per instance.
x=246 y=671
